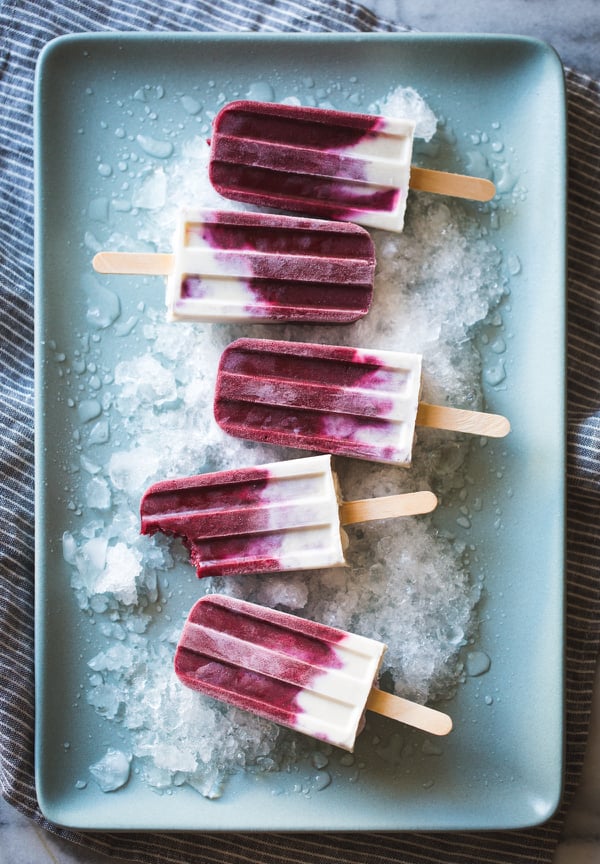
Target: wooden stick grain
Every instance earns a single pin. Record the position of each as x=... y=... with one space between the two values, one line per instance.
x=386 y=507
x=462 y=420
x=456 y=185
x=134 y=263
x=420 y=716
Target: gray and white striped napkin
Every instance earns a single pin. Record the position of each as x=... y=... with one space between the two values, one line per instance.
x=25 y=26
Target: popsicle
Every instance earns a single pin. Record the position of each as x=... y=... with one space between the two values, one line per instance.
x=256 y=267
x=301 y=674
x=275 y=517
x=334 y=164
x=333 y=399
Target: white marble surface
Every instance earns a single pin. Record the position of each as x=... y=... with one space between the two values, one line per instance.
x=573 y=28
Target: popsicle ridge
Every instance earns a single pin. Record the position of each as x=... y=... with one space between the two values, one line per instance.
x=257 y=267
x=335 y=399
x=282 y=516
x=307 y=676
x=274 y=267
x=333 y=164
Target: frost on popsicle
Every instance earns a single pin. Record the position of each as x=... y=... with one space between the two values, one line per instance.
x=282 y=516
x=347 y=401
x=251 y=267
x=324 y=162
x=307 y=676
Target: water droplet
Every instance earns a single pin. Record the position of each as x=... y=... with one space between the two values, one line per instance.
x=320 y=781
x=104 y=306
x=124 y=328
x=477 y=663
x=504 y=179
x=88 y=410
x=191 y=105
x=100 y=433
x=319 y=760
x=261 y=91
x=495 y=375
x=514 y=264
x=104 y=169
x=155 y=147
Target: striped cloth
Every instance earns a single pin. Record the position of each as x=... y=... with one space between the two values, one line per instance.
x=25 y=26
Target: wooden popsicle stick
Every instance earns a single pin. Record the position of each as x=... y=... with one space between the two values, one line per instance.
x=389 y=506
x=134 y=263
x=457 y=185
x=411 y=713
x=462 y=420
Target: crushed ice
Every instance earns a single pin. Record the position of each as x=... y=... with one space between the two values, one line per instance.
x=408 y=585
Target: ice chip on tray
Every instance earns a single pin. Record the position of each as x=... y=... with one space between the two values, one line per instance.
x=322 y=162
x=301 y=674
x=231 y=266
x=334 y=399
x=276 y=517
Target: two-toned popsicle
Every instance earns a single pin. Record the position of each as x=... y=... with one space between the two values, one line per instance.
x=256 y=267
x=275 y=517
x=301 y=674
x=355 y=402
x=334 y=164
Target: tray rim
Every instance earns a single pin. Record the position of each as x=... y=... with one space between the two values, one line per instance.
x=110 y=37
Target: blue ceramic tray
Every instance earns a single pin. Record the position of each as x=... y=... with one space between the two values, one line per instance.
x=502 y=766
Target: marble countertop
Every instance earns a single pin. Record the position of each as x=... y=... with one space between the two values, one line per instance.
x=573 y=29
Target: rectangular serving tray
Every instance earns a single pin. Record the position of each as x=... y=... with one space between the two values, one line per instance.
x=502 y=766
